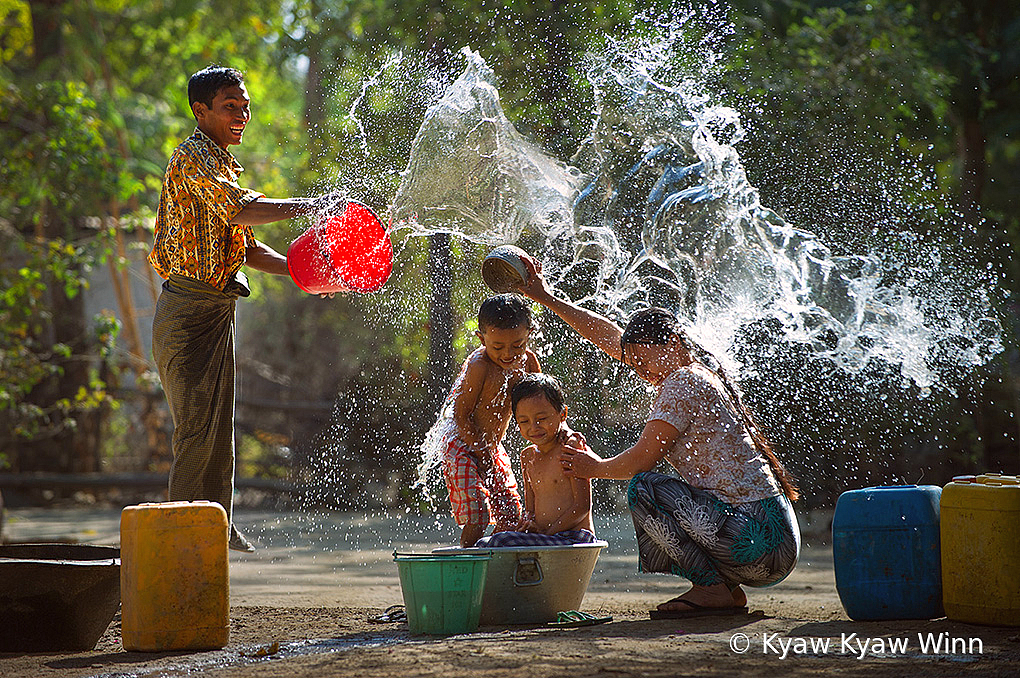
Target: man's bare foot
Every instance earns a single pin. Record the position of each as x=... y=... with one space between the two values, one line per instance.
x=717 y=595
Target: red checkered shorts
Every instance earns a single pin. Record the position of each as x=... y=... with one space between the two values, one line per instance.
x=476 y=499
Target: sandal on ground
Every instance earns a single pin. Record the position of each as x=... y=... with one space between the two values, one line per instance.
x=394 y=614
x=238 y=542
x=572 y=618
x=695 y=610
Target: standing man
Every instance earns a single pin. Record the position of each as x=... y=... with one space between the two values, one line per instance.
x=203 y=238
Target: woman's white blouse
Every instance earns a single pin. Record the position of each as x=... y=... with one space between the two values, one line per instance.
x=713 y=451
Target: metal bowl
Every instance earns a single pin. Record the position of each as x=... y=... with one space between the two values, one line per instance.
x=503 y=268
x=57 y=596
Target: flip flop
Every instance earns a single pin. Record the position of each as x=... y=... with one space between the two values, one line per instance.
x=696 y=611
x=393 y=614
x=572 y=618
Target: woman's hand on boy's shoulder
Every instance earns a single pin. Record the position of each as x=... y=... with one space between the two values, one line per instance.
x=527 y=523
x=569 y=437
x=531 y=363
x=579 y=462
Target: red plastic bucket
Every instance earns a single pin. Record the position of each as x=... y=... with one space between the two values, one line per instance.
x=349 y=252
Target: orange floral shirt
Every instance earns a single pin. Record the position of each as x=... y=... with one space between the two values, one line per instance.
x=194 y=236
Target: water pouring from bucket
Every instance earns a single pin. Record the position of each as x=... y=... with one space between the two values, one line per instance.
x=503 y=268
x=346 y=252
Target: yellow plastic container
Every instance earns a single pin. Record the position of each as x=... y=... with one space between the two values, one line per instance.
x=980 y=535
x=174 y=582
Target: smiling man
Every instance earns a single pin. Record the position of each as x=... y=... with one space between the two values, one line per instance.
x=203 y=237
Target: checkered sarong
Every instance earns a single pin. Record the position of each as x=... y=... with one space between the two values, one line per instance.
x=478 y=500
x=507 y=539
x=193 y=345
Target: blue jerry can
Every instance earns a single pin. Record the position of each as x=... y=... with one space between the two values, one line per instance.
x=886 y=552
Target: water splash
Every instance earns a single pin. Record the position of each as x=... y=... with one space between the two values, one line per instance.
x=656 y=208
x=433 y=447
x=471 y=173
x=659 y=211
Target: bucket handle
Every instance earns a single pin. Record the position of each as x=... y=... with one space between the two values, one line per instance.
x=528 y=561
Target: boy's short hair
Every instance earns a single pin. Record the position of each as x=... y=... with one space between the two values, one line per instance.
x=505 y=312
x=539 y=383
x=204 y=85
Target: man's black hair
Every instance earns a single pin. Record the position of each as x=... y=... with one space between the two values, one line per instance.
x=204 y=85
x=505 y=312
x=538 y=383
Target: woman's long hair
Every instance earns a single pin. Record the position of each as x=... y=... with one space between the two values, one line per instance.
x=656 y=326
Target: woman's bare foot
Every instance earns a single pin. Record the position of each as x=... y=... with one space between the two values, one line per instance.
x=717 y=595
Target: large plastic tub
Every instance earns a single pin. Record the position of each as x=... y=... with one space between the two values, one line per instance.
x=174 y=581
x=531 y=584
x=981 y=549
x=442 y=593
x=885 y=546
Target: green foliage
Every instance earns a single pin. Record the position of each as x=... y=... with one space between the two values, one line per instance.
x=831 y=92
x=57 y=175
x=848 y=105
x=28 y=356
x=16 y=37
x=57 y=164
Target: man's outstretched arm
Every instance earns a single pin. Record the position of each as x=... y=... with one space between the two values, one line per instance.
x=267 y=210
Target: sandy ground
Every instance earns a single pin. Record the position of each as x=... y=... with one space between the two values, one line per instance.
x=301 y=604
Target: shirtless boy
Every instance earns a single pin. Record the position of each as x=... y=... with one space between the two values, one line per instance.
x=477 y=468
x=557 y=507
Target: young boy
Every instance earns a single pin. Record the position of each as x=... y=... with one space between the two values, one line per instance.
x=557 y=507
x=476 y=466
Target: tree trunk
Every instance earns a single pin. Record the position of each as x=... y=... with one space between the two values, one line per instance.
x=551 y=88
x=66 y=446
x=46 y=32
x=313 y=89
x=973 y=166
x=440 y=315
x=440 y=257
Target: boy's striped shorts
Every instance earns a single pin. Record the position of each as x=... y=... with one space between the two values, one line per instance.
x=479 y=500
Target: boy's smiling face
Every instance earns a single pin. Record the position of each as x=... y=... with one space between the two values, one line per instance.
x=539 y=420
x=505 y=347
x=225 y=120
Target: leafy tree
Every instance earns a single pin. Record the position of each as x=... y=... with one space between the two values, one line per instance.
x=57 y=163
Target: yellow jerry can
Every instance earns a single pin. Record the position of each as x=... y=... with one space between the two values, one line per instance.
x=980 y=535
x=174 y=581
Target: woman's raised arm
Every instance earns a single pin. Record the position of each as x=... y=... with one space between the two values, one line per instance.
x=597 y=329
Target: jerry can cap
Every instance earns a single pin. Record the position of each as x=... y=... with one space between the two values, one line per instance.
x=997 y=480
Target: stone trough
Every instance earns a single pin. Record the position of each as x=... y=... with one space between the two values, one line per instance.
x=56 y=596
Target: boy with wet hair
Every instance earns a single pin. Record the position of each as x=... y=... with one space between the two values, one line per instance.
x=557 y=508
x=203 y=237
x=481 y=482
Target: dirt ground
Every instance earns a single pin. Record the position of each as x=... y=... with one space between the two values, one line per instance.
x=301 y=604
